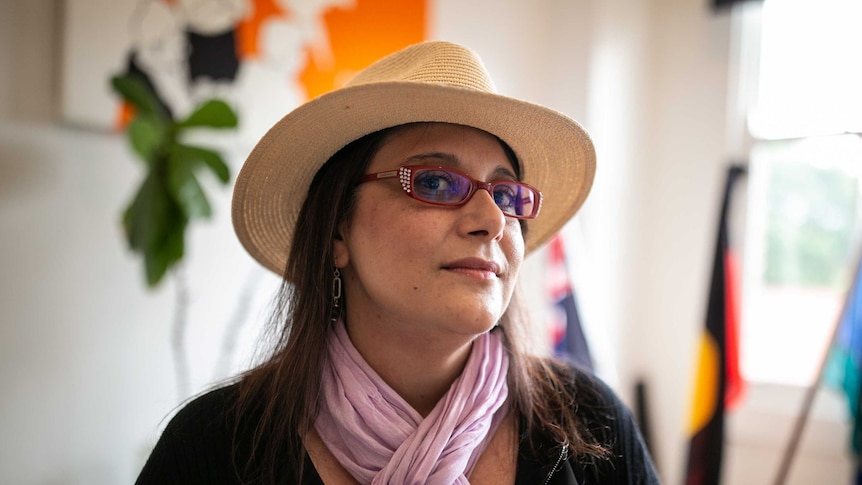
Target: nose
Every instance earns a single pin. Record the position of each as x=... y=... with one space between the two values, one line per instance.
x=482 y=217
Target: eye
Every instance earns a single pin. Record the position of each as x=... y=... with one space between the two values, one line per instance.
x=433 y=181
x=505 y=196
x=439 y=186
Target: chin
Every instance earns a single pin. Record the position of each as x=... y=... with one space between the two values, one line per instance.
x=479 y=325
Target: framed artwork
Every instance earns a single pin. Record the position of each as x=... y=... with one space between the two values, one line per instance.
x=263 y=56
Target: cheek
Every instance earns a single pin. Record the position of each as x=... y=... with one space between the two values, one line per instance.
x=515 y=247
x=389 y=236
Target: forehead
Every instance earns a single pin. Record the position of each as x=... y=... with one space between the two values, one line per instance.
x=463 y=147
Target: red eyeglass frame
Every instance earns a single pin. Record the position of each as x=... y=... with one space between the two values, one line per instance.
x=405 y=176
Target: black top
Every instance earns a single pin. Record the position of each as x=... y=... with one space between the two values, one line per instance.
x=197 y=447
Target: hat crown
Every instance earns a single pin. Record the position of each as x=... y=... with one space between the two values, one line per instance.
x=434 y=62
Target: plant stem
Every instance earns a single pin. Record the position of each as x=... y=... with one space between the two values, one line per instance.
x=179 y=331
x=237 y=320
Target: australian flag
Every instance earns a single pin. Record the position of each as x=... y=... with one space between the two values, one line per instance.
x=567 y=336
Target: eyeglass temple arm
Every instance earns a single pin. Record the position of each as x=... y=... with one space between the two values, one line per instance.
x=377 y=176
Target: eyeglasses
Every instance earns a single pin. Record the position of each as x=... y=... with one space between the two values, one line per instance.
x=450 y=187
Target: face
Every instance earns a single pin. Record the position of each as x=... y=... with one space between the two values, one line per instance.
x=423 y=268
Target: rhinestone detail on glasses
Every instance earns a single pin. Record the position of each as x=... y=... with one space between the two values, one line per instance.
x=404 y=177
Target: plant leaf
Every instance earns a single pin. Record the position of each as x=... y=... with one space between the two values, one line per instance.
x=210 y=158
x=170 y=251
x=146 y=217
x=214 y=113
x=137 y=92
x=185 y=189
x=146 y=136
x=155 y=267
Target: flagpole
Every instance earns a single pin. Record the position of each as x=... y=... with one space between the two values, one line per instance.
x=808 y=402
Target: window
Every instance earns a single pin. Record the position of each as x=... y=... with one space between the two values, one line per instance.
x=805 y=171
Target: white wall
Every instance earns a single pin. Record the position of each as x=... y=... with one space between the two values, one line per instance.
x=84 y=350
x=676 y=218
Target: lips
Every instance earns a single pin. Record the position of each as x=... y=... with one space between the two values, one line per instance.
x=476 y=265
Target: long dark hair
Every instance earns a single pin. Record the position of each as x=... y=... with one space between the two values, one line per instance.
x=278 y=399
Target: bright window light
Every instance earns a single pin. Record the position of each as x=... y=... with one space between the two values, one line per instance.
x=804 y=198
x=810 y=80
x=804 y=211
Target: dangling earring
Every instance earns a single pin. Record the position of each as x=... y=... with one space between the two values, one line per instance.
x=336 y=296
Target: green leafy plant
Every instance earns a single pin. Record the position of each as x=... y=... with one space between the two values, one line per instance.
x=170 y=195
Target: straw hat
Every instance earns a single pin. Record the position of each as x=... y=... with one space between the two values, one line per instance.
x=428 y=82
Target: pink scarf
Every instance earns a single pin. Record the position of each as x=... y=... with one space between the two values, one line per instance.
x=380 y=439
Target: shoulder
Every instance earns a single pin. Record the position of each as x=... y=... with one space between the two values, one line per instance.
x=206 y=415
x=199 y=437
x=213 y=440
x=596 y=401
x=611 y=424
x=592 y=398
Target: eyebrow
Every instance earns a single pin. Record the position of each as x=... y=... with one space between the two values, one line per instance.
x=450 y=160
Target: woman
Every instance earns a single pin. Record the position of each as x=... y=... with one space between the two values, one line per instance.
x=398 y=210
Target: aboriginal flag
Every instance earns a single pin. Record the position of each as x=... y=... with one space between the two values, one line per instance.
x=719 y=384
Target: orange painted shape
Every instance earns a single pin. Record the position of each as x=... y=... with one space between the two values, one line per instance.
x=706 y=386
x=359 y=36
x=248 y=30
x=125 y=114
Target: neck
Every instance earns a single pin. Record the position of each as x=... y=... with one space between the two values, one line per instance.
x=419 y=367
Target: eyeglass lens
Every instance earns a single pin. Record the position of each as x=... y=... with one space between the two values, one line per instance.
x=441 y=186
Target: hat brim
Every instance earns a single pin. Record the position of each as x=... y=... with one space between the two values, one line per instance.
x=556 y=154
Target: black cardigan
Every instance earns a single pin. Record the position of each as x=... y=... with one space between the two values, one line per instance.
x=197 y=447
